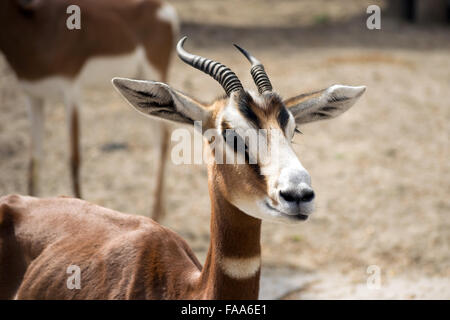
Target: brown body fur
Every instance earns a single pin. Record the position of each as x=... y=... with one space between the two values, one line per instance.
x=120 y=256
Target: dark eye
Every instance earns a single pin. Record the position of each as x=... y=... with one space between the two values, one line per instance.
x=231 y=137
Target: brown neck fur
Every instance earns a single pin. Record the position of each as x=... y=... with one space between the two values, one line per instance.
x=234 y=234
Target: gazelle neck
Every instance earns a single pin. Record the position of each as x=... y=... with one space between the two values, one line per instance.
x=232 y=267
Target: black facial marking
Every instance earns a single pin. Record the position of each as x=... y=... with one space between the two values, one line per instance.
x=283 y=118
x=231 y=137
x=245 y=100
x=255 y=167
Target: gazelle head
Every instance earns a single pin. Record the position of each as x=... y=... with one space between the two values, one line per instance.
x=270 y=183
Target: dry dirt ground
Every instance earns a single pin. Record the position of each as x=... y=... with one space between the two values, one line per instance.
x=380 y=171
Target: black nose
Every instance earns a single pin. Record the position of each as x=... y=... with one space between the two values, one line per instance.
x=304 y=195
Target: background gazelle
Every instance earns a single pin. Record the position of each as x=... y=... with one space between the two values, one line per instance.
x=116 y=37
x=125 y=256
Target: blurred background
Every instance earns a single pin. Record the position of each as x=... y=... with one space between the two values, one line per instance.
x=381 y=171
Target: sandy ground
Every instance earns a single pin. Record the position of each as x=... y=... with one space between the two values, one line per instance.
x=380 y=171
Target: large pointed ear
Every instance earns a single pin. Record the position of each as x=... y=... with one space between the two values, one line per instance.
x=324 y=104
x=157 y=99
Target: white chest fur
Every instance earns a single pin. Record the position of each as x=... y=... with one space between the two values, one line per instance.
x=241 y=268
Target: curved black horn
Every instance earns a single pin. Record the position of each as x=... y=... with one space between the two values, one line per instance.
x=258 y=73
x=227 y=78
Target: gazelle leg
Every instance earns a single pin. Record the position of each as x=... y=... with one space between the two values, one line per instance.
x=158 y=211
x=75 y=155
x=72 y=102
x=36 y=114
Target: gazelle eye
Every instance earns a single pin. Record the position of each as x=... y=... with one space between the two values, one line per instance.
x=231 y=137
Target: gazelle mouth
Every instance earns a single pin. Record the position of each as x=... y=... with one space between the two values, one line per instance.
x=295 y=216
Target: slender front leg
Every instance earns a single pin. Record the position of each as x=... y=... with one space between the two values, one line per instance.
x=158 y=206
x=36 y=114
x=75 y=155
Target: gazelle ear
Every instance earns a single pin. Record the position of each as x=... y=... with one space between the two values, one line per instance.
x=157 y=99
x=325 y=104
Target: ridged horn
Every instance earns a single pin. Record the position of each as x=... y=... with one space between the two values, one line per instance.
x=221 y=73
x=258 y=73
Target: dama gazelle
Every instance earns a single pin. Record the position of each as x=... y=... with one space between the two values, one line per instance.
x=117 y=37
x=131 y=257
